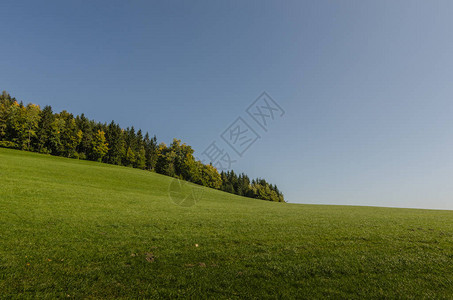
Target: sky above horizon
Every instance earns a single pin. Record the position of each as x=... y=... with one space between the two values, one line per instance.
x=365 y=85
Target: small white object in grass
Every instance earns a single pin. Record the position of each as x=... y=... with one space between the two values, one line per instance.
x=196 y=245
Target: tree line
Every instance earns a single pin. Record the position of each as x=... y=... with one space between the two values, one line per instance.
x=28 y=127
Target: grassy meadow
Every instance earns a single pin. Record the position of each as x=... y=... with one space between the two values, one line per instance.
x=80 y=229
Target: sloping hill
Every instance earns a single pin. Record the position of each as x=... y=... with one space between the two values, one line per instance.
x=77 y=229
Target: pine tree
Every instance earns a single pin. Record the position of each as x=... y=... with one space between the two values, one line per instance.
x=85 y=146
x=115 y=140
x=44 y=131
x=150 y=152
x=140 y=160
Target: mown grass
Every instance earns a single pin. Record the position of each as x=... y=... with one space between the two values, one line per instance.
x=81 y=229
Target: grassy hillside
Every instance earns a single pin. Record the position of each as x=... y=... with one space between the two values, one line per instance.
x=77 y=229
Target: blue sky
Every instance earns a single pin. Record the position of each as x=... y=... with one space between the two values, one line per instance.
x=366 y=85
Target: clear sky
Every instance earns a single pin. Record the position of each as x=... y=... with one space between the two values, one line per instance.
x=366 y=86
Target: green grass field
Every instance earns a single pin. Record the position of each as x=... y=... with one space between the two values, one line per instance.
x=82 y=229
